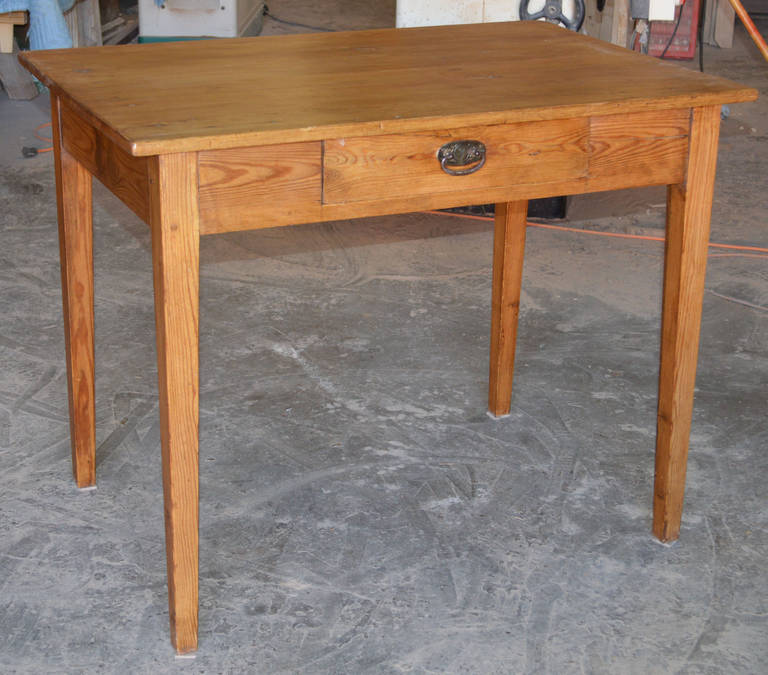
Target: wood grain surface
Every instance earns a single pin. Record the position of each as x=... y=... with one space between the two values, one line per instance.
x=685 y=261
x=74 y=200
x=246 y=188
x=176 y=267
x=171 y=97
x=268 y=186
x=406 y=165
x=126 y=176
x=650 y=146
x=508 y=252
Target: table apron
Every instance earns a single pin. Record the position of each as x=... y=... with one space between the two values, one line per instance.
x=276 y=185
x=124 y=175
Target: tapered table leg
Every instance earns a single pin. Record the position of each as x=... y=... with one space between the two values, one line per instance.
x=688 y=213
x=175 y=258
x=508 y=249
x=74 y=201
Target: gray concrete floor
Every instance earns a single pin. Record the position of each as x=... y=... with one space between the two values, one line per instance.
x=360 y=512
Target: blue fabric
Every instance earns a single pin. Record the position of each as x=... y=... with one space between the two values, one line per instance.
x=47 y=28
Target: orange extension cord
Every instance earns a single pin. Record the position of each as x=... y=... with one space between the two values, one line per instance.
x=759 y=251
x=43 y=138
x=579 y=230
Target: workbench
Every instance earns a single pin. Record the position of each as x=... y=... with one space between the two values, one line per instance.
x=216 y=136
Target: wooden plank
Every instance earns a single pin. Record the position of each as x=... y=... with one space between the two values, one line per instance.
x=406 y=165
x=89 y=23
x=593 y=18
x=110 y=9
x=688 y=213
x=508 y=251
x=620 y=23
x=249 y=218
x=73 y=26
x=646 y=148
x=362 y=83
x=126 y=176
x=445 y=200
x=640 y=126
x=263 y=186
x=661 y=159
x=176 y=266
x=14 y=18
x=74 y=202
x=725 y=18
x=6 y=38
x=7 y=21
x=606 y=22
x=84 y=23
x=128 y=25
x=626 y=151
x=719 y=19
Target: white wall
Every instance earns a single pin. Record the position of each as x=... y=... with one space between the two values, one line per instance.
x=440 y=12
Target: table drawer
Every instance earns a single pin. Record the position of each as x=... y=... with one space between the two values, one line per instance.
x=406 y=165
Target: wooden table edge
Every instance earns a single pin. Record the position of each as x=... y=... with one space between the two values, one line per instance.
x=142 y=148
x=173 y=144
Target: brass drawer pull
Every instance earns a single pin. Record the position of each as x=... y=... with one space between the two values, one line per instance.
x=461 y=153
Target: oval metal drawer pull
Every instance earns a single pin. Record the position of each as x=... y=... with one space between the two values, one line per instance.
x=461 y=153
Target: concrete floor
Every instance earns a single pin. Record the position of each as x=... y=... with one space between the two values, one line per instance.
x=360 y=512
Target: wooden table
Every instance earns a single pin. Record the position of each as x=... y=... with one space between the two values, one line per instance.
x=216 y=136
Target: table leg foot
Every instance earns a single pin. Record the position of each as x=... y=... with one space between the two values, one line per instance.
x=175 y=257
x=687 y=236
x=74 y=200
x=508 y=249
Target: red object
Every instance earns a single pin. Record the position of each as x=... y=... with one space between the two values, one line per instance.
x=684 y=44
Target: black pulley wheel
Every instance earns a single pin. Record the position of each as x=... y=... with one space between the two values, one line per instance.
x=553 y=12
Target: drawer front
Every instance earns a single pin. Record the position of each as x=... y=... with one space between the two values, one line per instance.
x=406 y=165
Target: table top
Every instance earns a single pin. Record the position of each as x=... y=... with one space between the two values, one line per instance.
x=184 y=96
